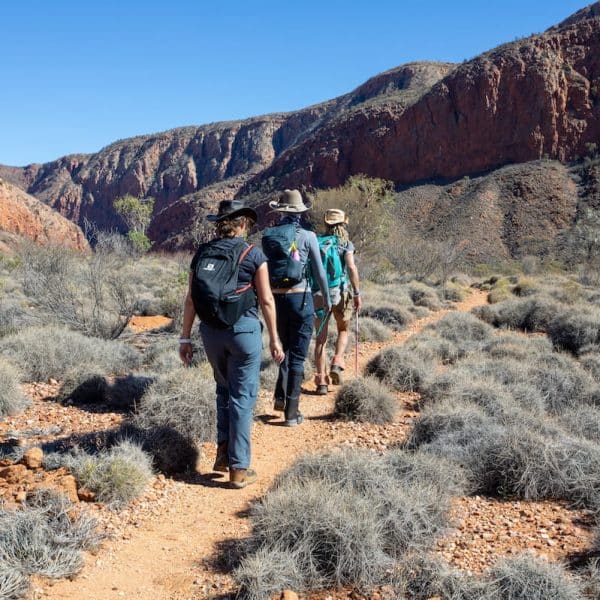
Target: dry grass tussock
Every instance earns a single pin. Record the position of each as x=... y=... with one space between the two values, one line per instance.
x=183 y=400
x=366 y=400
x=344 y=518
x=12 y=399
x=116 y=476
x=46 y=538
x=55 y=351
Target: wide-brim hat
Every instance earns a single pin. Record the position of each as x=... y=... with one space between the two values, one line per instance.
x=229 y=209
x=290 y=201
x=335 y=216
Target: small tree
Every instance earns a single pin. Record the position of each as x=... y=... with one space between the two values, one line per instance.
x=367 y=202
x=585 y=245
x=137 y=213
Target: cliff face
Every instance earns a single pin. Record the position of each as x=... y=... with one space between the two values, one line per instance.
x=523 y=101
x=24 y=215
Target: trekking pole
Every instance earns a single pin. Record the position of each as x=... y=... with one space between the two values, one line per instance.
x=356 y=346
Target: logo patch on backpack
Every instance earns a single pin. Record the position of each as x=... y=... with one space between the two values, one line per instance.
x=217 y=299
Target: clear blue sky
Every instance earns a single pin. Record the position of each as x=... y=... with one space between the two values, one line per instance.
x=78 y=75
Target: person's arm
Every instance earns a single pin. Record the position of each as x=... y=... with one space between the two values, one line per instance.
x=267 y=306
x=314 y=255
x=354 y=281
x=186 y=352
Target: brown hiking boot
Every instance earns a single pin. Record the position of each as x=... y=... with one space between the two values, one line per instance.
x=240 y=478
x=279 y=404
x=222 y=459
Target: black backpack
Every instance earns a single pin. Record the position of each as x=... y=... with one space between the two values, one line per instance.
x=285 y=268
x=217 y=299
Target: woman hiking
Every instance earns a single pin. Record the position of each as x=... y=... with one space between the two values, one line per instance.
x=345 y=296
x=288 y=247
x=230 y=330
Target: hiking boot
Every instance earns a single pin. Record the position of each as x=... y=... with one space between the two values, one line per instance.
x=240 y=478
x=293 y=422
x=222 y=459
x=322 y=389
x=279 y=404
x=336 y=374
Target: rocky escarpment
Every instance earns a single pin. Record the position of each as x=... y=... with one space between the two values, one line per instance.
x=24 y=215
x=528 y=99
x=190 y=167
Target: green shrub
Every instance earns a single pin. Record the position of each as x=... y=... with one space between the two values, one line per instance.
x=432 y=348
x=366 y=400
x=53 y=351
x=12 y=399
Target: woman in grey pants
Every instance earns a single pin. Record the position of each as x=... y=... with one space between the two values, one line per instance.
x=235 y=352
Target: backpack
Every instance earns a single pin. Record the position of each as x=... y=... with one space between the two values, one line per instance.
x=332 y=263
x=217 y=299
x=279 y=246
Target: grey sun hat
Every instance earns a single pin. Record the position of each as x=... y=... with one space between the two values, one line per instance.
x=290 y=201
x=229 y=209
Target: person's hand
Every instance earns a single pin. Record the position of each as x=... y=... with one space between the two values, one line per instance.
x=277 y=351
x=357 y=303
x=186 y=353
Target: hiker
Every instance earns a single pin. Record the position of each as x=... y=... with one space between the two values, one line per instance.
x=288 y=247
x=339 y=269
x=231 y=332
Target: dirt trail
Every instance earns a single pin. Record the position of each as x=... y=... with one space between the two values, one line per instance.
x=170 y=557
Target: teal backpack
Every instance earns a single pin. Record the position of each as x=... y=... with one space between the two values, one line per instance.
x=332 y=263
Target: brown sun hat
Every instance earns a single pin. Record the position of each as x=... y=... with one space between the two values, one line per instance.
x=290 y=201
x=229 y=209
x=335 y=216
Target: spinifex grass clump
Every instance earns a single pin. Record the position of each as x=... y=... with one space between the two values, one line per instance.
x=343 y=518
x=366 y=400
x=55 y=351
x=117 y=475
x=12 y=399
x=527 y=577
x=396 y=317
x=183 y=400
x=372 y=330
x=45 y=538
x=575 y=328
x=400 y=369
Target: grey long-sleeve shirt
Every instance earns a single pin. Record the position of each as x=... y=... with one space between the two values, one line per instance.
x=308 y=247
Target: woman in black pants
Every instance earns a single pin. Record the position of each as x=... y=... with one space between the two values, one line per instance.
x=293 y=303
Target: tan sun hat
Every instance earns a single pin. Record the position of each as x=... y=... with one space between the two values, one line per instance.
x=335 y=216
x=290 y=201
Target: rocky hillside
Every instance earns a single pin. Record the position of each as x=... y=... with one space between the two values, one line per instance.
x=24 y=215
x=215 y=159
x=537 y=97
x=527 y=100
x=513 y=211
